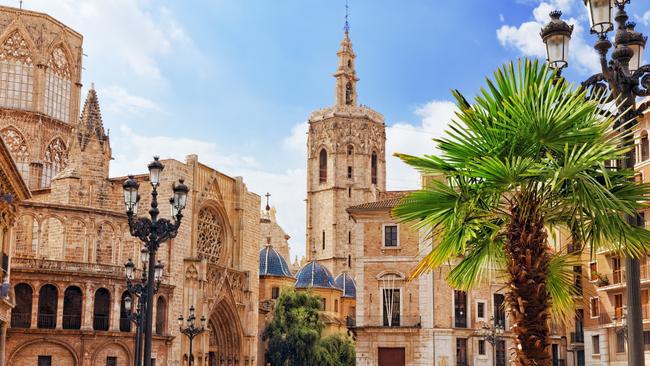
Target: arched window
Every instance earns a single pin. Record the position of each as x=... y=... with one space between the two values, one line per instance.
x=373 y=168
x=102 y=308
x=18 y=147
x=348 y=93
x=125 y=322
x=72 y=305
x=16 y=73
x=645 y=153
x=57 y=86
x=47 y=302
x=56 y=158
x=350 y=149
x=211 y=235
x=161 y=316
x=21 y=314
x=322 y=166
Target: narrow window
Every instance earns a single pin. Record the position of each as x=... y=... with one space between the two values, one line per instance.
x=349 y=237
x=481 y=347
x=349 y=192
x=617 y=275
x=620 y=342
x=595 y=344
x=499 y=309
x=350 y=149
x=161 y=316
x=391 y=307
x=348 y=93
x=390 y=236
x=460 y=309
x=594 y=307
x=275 y=292
x=645 y=155
x=593 y=271
x=349 y=261
x=461 y=352
x=336 y=305
x=577 y=279
x=480 y=310
x=349 y=172
x=44 y=360
x=323 y=239
x=501 y=353
x=323 y=304
x=373 y=168
x=322 y=164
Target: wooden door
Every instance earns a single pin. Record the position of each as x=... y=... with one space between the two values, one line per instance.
x=392 y=357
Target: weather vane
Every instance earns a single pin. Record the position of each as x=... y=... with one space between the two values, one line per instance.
x=347 y=14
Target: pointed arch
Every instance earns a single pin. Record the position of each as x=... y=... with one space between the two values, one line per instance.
x=58 y=84
x=52 y=238
x=226 y=336
x=373 y=167
x=54 y=160
x=17 y=145
x=16 y=71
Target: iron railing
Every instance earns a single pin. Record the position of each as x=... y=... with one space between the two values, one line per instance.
x=21 y=320
x=125 y=325
x=100 y=322
x=577 y=337
x=401 y=322
x=46 y=321
x=71 y=321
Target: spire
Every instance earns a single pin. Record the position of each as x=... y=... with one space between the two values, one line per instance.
x=346 y=79
x=90 y=123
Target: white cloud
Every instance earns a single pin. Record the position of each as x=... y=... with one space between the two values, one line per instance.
x=415 y=139
x=645 y=18
x=118 y=100
x=297 y=140
x=122 y=33
x=525 y=37
x=502 y=18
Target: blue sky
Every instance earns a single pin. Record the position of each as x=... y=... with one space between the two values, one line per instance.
x=235 y=80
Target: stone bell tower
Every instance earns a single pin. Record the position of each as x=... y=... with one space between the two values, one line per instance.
x=346 y=166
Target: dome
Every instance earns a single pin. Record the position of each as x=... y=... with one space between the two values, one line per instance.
x=272 y=263
x=345 y=282
x=313 y=274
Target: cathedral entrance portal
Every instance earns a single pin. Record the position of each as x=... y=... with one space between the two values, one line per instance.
x=225 y=336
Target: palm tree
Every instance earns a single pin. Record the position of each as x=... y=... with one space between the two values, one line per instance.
x=532 y=155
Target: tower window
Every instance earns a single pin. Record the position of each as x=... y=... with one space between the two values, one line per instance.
x=348 y=93
x=350 y=261
x=373 y=168
x=322 y=164
x=349 y=192
x=275 y=292
x=349 y=237
x=349 y=63
x=350 y=149
x=323 y=239
x=349 y=172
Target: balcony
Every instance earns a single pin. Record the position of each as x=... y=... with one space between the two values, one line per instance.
x=399 y=322
x=100 y=322
x=577 y=337
x=47 y=321
x=125 y=325
x=21 y=320
x=71 y=321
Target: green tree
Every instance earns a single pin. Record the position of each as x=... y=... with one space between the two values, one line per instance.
x=531 y=155
x=336 y=350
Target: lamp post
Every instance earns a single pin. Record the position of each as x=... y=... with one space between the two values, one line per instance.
x=139 y=290
x=625 y=79
x=493 y=333
x=191 y=330
x=622 y=329
x=152 y=232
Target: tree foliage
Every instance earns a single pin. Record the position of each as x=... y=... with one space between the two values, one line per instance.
x=294 y=335
x=532 y=155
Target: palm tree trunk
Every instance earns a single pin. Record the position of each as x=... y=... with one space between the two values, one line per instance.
x=528 y=299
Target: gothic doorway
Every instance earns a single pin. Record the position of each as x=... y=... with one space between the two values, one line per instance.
x=225 y=336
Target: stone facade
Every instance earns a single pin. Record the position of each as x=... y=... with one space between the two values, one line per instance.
x=71 y=238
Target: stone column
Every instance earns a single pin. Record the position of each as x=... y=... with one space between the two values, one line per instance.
x=34 y=308
x=115 y=313
x=59 y=309
x=3 y=340
x=87 y=315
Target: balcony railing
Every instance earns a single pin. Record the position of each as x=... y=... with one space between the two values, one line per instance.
x=21 y=320
x=71 y=321
x=577 y=337
x=100 y=322
x=403 y=322
x=619 y=276
x=125 y=325
x=47 y=321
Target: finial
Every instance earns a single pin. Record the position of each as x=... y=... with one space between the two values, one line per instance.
x=21 y=4
x=92 y=85
x=555 y=14
x=268 y=208
x=347 y=16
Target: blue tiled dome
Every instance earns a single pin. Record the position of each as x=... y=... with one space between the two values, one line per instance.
x=345 y=282
x=272 y=263
x=313 y=274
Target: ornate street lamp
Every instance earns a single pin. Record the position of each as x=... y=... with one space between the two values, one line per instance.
x=152 y=232
x=493 y=333
x=556 y=36
x=191 y=330
x=625 y=79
